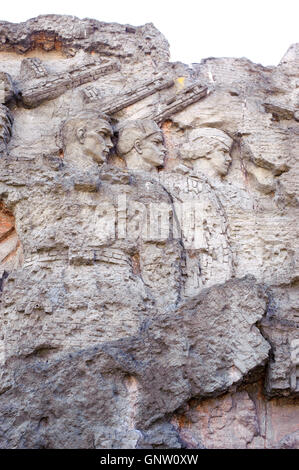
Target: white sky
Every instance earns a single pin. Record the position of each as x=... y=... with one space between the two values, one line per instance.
x=261 y=30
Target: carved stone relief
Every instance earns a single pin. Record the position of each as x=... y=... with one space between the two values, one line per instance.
x=148 y=242
x=6 y=122
x=140 y=144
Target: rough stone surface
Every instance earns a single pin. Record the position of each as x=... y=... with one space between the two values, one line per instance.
x=149 y=261
x=239 y=420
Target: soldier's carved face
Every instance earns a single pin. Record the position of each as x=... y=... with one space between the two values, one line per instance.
x=212 y=150
x=221 y=159
x=153 y=149
x=96 y=139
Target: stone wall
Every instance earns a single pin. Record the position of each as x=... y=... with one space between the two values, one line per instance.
x=149 y=258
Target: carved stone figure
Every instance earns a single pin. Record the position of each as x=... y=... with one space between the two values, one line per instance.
x=141 y=145
x=204 y=231
x=149 y=256
x=208 y=151
x=87 y=137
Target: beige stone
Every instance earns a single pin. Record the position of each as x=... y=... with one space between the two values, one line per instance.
x=149 y=257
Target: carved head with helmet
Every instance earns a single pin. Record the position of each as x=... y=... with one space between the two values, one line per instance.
x=140 y=144
x=208 y=150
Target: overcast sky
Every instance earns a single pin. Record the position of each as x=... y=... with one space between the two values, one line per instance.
x=261 y=30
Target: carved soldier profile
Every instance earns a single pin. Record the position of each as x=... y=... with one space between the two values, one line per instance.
x=208 y=150
x=146 y=302
x=87 y=138
x=140 y=143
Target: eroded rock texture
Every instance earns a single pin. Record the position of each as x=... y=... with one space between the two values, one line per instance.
x=148 y=243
